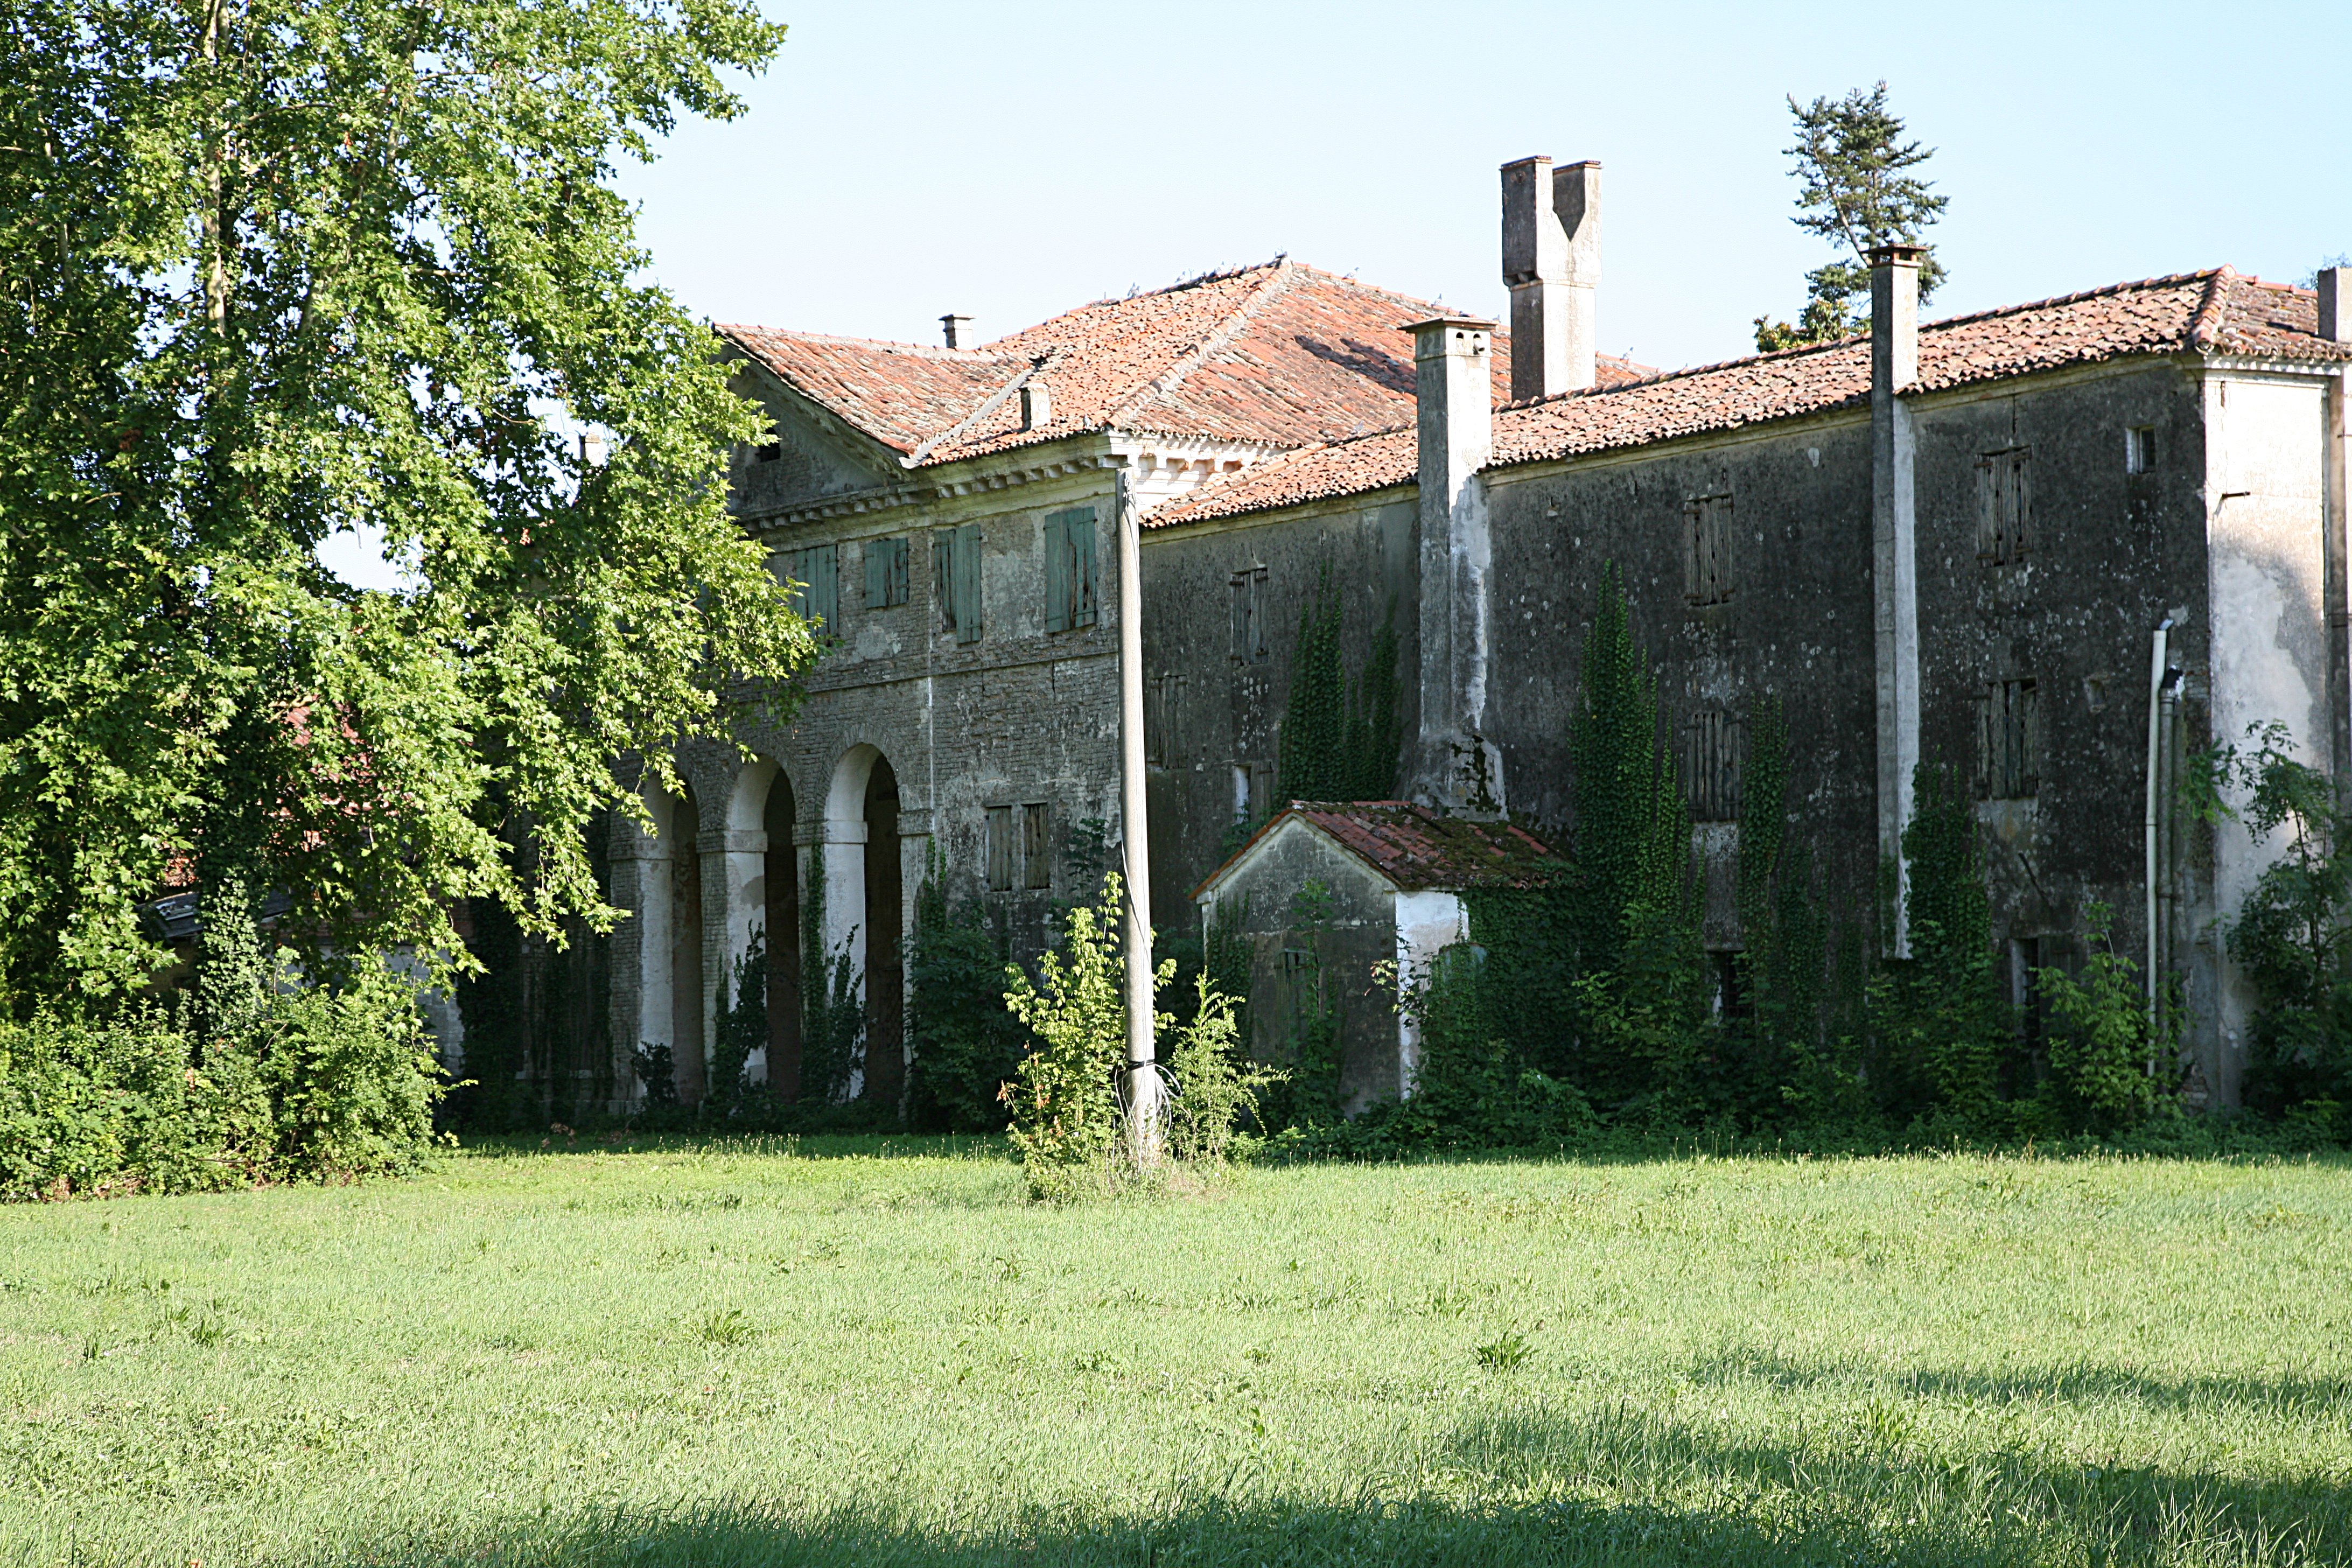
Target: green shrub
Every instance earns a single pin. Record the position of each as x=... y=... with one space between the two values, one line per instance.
x=2106 y=1056
x=264 y=1079
x=1214 y=1084
x=968 y=1045
x=1066 y=1120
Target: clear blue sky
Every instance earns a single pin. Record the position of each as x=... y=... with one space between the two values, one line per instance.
x=903 y=159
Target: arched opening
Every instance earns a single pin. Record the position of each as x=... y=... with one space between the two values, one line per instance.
x=685 y=968
x=885 y=1060
x=784 y=899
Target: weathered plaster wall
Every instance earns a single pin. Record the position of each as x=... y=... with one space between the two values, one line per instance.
x=2267 y=576
x=1226 y=712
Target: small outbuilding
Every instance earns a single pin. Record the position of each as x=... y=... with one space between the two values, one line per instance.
x=1336 y=902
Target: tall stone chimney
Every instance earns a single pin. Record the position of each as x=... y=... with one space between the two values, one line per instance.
x=2335 y=304
x=1455 y=767
x=1551 y=259
x=1894 y=574
x=957 y=330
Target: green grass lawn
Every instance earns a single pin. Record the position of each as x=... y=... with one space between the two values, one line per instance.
x=849 y=1351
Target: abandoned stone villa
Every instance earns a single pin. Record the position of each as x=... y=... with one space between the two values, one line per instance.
x=2055 y=543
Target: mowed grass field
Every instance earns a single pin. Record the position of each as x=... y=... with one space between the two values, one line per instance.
x=860 y=1352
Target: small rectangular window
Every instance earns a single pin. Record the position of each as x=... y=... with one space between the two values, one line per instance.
x=886 y=573
x=1162 y=699
x=2009 y=741
x=2004 y=506
x=2139 y=449
x=769 y=451
x=1070 y=569
x=1036 y=847
x=1706 y=549
x=817 y=570
x=1711 y=766
x=1000 y=849
x=1252 y=793
x=955 y=579
x=1248 y=584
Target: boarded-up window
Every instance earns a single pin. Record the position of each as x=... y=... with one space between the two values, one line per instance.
x=955 y=573
x=1070 y=569
x=2004 y=506
x=1162 y=701
x=886 y=573
x=1711 y=766
x=1250 y=615
x=1000 y=849
x=1706 y=549
x=1036 y=847
x=817 y=570
x=2009 y=741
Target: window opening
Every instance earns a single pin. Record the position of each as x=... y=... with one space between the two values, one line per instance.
x=1070 y=586
x=2004 y=506
x=1250 y=615
x=1711 y=766
x=1162 y=698
x=1706 y=549
x=2009 y=741
x=886 y=573
x=1000 y=849
x=1036 y=847
x=955 y=568
x=817 y=570
x=2139 y=449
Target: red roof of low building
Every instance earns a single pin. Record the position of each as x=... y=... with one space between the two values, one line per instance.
x=1419 y=849
x=2219 y=312
x=1278 y=355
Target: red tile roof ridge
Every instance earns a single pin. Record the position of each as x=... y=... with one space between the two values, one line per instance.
x=2205 y=327
x=1279 y=279
x=988 y=405
x=887 y=345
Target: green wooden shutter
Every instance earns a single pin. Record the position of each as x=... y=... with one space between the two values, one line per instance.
x=824 y=585
x=943 y=586
x=966 y=565
x=1084 y=599
x=1057 y=572
x=878 y=572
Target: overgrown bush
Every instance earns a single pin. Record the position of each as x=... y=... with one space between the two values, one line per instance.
x=266 y=1078
x=2109 y=1063
x=1065 y=1103
x=968 y=1045
x=1215 y=1086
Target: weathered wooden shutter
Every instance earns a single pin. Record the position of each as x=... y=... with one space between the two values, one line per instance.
x=943 y=576
x=1000 y=849
x=1083 y=597
x=1036 y=847
x=1057 y=572
x=878 y=572
x=1694 y=523
x=966 y=565
x=824 y=585
x=2021 y=483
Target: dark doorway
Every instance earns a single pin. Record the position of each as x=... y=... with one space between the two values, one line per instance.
x=685 y=950
x=784 y=884
x=885 y=1066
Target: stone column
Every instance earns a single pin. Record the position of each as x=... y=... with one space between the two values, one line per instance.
x=1894 y=576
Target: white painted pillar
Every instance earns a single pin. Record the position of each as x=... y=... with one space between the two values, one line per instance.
x=1895 y=572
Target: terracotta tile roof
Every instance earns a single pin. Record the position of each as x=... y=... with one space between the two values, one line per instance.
x=2218 y=312
x=1279 y=355
x=1417 y=848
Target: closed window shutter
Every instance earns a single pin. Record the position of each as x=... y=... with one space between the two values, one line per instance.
x=878 y=572
x=943 y=576
x=967 y=583
x=1057 y=572
x=1083 y=599
x=824 y=584
x=898 y=566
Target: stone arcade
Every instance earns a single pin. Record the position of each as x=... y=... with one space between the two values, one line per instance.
x=1954 y=541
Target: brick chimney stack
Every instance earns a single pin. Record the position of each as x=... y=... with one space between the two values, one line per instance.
x=1551 y=259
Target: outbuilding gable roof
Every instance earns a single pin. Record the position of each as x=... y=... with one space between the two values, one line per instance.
x=1416 y=848
x=2218 y=312
x=1278 y=355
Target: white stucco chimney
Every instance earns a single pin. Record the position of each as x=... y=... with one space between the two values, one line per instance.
x=1455 y=767
x=2335 y=297
x=957 y=330
x=1036 y=405
x=1551 y=259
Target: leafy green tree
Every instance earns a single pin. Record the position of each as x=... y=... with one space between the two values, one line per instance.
x=273 y=271
x=1852 y=158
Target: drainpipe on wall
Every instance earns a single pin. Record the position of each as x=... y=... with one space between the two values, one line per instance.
x=2157 y=687
x=1145 y=1100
